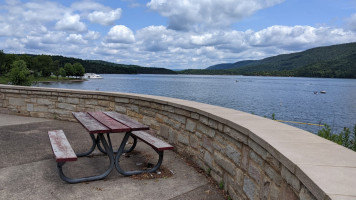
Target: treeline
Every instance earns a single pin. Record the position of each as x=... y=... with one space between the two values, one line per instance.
x=103 y=67
x=21 y=69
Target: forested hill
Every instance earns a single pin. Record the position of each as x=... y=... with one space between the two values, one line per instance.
x=103 y=67
x=337 y=61
x=48 y=64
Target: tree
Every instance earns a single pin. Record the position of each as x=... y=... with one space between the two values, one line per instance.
x=62 y=72
x=78 y=69
x=68 y=68
x=43 y=63
x=20 y=74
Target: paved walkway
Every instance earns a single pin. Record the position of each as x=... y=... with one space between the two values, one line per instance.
x=28 y=169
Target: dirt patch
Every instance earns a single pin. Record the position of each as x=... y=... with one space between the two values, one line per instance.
x=162 y=172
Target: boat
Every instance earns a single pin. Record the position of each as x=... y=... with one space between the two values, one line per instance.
x=92 y=76
x=323 y=92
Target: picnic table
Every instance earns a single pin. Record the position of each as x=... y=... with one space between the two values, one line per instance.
x=99 y=126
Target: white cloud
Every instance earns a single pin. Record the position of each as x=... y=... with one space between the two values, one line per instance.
x=120 y=34
x=105 y=18
x=71 y=23
x=86 y=5
x=92 y=35
x=76 y=39
x=185 y=15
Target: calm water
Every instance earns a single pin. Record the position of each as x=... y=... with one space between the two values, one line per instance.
x=290 y=99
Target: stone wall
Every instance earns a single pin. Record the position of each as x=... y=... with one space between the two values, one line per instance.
x=252 y=157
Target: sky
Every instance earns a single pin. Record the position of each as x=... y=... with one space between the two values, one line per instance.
x=174 y=34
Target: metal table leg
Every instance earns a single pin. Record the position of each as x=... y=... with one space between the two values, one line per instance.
x=90 y=178
x=129 y=173
x=125 y=151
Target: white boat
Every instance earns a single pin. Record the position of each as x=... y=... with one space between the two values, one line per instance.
x=92 y=76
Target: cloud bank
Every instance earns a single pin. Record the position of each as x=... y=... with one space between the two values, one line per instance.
x=198 y=33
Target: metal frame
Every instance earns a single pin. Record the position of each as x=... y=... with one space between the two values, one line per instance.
x=121 y=150
x=114 y=160
x=125 y=151
x=110 y=154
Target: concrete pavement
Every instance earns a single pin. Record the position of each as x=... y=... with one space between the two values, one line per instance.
x=28 y=169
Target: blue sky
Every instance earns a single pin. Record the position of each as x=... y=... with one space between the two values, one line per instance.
x=174 y=34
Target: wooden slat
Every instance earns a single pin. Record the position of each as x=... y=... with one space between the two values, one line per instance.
x=109 y=122
x=61 y=147
x=90 y=123
x=134 y=125
x=154 y=142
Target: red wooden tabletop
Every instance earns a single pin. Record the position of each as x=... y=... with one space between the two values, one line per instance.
x=107 y=122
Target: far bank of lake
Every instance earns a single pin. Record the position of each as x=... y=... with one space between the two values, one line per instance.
x=288 y=98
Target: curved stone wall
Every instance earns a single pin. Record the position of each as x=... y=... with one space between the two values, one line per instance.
x=253 y=157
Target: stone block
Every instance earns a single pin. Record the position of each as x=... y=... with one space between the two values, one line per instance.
x=44 y=101
x=178 y=118
x=250 y=188
x=182 y=112
x=91 y=101
x=66 y=106
x=168 y=108
x=287 y=192
x=164 y=131
x=207 y=144
x=290 y=178
x=29 y=107
x=235 y=134
x=194 y=141
x=220 y=127
x=103 y=103
x=304 y=194
x=204 y=120
x=245 y=155
x=218 y=146
x=233 y=154
x=190 y=125
x=256 y=158
x=213 y=124
x=40 y=109
x=172 y=136
x=257 y=148
x=184 y=139
x=161 y=118
x=255 y=172
x=16 y=101
x=194 y=115
x=205 y=130
x=208 y=159
x=273 y=162
x=273 y=175
x=133 y=108
x=122 y=100
x=225 y=163
x=134 y=114
x=148 y=112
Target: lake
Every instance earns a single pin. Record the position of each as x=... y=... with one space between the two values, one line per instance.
x=288 y=98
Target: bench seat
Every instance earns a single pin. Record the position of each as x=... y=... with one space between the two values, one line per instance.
x=154 y=142
x=62 y=150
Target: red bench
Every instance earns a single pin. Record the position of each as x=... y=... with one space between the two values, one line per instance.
x=62 y=150
x=154 y=142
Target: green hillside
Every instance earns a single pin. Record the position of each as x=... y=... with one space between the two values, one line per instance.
x=337 y=61
x=103 y=67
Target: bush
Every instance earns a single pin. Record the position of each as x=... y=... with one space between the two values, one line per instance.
x=20 y=74
x=345 y=138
